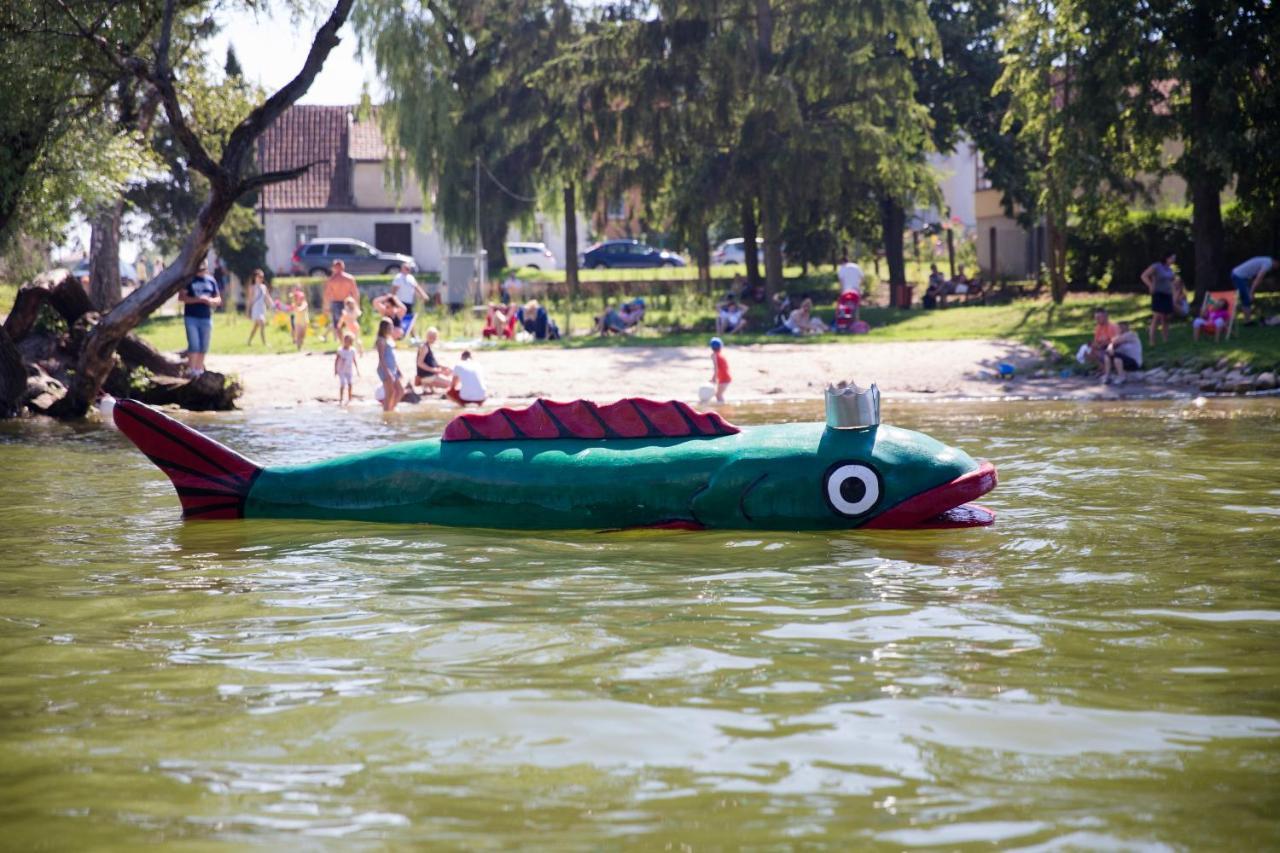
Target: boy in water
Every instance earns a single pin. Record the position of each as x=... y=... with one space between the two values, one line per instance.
x=719 y=369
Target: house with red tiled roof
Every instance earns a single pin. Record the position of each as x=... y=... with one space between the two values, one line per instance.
x=345 y=193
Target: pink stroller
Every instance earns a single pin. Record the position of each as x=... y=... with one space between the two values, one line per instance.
x=847 y=311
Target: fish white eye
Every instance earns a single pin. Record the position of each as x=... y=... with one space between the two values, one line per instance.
x=852 y=489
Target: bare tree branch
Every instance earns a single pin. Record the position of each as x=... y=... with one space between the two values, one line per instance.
x=240 y=144
x=258 y=181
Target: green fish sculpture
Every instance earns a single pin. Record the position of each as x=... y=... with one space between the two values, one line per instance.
x=633 y=463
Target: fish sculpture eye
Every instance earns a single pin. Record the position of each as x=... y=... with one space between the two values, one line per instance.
x=851 y=488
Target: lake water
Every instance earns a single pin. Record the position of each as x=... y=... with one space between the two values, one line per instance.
x=1101 y=668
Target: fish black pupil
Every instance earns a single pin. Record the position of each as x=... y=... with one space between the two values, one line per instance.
x=853 y=489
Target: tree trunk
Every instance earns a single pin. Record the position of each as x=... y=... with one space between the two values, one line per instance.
x=104 y=256
x=749 y=243
x=893 y=221
x=13 y=377
x=570 y=249
x=1208 y=236
x=702 y=251
x=1057 y=258
x=97 y=356
x=772 y=228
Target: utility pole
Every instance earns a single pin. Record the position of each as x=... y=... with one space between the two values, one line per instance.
x=479 y=242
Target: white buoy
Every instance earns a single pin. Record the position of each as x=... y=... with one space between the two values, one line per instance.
x=705 y=393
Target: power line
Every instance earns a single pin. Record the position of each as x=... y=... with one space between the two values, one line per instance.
x=502 y=186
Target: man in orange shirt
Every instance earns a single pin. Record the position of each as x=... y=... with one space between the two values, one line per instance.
x=337 y=288
x=1104 y=332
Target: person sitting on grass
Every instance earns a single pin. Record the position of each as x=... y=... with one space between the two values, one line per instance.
x=1215 y=314
x=498 y=322
x=802 y=321
x=537 y=322
x=1123 y=353
x=1104 y=332
x=731 y=317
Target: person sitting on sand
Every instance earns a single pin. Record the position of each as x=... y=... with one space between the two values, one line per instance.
x=1215 y=315
x=431 y=373
x=1123 y=353
x=731 y=317
x=467 y=385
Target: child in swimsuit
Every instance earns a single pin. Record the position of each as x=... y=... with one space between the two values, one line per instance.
x=349 y=322
x=345 y=366
x=388 y=370
x=300 y=312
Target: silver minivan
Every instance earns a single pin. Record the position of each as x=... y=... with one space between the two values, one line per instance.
x=317 y=256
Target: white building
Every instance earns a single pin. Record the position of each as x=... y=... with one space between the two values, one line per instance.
x=346 y=192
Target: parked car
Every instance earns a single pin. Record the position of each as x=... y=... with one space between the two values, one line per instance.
x=128 y=275
x=734 y=251
x=317 y=256
x=628 y=253
x=535 y=256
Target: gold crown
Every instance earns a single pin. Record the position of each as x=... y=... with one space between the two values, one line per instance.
x=851 y=407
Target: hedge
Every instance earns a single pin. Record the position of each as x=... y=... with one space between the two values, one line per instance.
x=1111 y=253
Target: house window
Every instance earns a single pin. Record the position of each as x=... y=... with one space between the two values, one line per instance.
x=305 y=233
x=982 y=181
x=617 y=208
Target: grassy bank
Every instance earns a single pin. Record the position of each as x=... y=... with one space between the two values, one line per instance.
x=687 y=317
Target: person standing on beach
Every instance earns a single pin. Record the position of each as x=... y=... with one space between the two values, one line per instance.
x=337 y=288
x=1159 y=281
x=260 y=299
x=388 y=370
x=1248 y=276
x=345 y=366
x=719 y=369
x=407 y=290
x=199 y=298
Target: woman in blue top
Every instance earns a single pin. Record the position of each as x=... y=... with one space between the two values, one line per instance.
x=1159 y=281
x=388 y=370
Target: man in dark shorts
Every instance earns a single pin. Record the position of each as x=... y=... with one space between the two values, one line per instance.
x=1123 y=353
x=337 y=288
x=199 y=298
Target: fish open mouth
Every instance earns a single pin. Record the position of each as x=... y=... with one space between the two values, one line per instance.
x=944 y=506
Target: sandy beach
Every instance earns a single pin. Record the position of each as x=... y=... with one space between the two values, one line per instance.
x=949 y=369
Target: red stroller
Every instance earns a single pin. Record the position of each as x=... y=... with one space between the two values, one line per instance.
x=847 y=310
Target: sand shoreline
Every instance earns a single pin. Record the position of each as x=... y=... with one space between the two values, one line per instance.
x=774 y=372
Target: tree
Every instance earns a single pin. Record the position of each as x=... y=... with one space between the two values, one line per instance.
x=1069 y=92
x=224 y=166
x=54 y=150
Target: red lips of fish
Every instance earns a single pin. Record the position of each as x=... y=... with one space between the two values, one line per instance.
x=944 y=506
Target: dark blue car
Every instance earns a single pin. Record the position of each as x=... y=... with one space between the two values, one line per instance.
x=628 y=253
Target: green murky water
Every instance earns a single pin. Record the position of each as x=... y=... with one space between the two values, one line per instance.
x=1100 y=669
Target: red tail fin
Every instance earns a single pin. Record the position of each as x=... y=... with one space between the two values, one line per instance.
x=212 y=481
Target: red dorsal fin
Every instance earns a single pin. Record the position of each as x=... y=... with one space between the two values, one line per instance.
x=631 y=418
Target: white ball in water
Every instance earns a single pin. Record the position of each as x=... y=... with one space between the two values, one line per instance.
x=380 y=393
x=705 y=393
